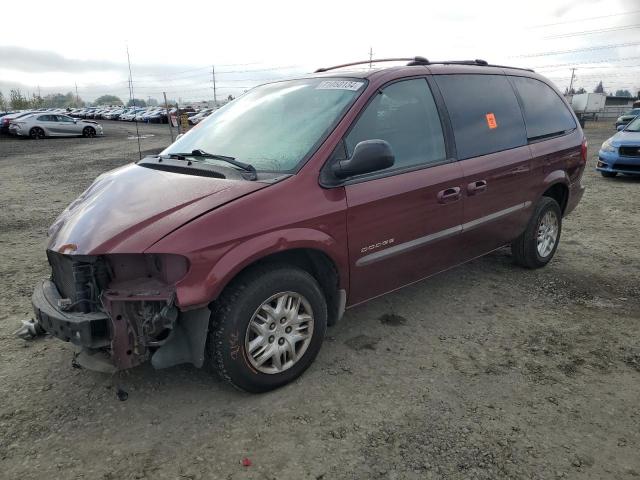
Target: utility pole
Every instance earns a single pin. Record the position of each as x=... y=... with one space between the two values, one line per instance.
x=133 y=100
x=166 y=107
x=77 y=97
x=573 y=71
x=213 y=77
x=370 y=56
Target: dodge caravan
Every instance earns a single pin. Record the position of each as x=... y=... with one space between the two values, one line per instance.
x=237 y=245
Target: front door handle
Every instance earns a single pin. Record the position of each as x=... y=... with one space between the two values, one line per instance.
x=451 y=194
x=477 y=187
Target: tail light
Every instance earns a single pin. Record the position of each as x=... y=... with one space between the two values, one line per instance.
x=583 y=151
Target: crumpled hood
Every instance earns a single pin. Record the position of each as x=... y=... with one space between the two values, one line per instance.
x=623 y=138
x=129 y=209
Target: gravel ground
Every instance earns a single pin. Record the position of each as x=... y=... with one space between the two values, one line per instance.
x=487 y=371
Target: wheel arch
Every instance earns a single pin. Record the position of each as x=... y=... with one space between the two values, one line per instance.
x=556 y=186
x=316 y=263
x=310 y=250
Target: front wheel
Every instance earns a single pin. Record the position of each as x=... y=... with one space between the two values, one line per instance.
x=88 y=132
x=538 y=243
x=267 y=328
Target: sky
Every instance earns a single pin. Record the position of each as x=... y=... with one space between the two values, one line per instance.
x=174 y=45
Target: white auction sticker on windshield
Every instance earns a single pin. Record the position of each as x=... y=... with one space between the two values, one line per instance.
x=339 y=85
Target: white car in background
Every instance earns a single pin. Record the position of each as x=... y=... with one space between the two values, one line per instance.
x=47 y=124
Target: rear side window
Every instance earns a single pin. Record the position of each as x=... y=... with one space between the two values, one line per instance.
x=405 y=115
x=484 y=113
x=545 y=113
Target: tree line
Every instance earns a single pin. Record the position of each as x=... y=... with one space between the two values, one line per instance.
x=19 y=101
x=600 y=89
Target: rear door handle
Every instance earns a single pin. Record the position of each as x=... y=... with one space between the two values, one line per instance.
x=477 y=187
x=451 y=194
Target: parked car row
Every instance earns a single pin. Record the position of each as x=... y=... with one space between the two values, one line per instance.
x=130 y=114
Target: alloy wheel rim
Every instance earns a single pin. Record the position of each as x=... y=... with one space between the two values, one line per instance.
x=279 y=332
x=547 y=234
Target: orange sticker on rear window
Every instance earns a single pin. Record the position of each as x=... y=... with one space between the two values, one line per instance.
x=491 y=121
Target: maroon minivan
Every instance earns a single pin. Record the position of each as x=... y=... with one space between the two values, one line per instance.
x=238 y=244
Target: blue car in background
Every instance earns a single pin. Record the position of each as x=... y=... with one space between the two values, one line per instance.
x=621 y=153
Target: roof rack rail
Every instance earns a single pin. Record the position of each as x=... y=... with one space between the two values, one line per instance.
x=422 y=61
x=412 y=61
x=478 y=62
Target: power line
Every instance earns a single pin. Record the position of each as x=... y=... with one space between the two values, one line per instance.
x=587 y=62
x=585 y=19
x=592 y=32
x=586 y=49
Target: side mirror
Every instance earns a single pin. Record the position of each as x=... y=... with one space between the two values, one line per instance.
x=620 y=127
x=180 y=135
x=368 y=156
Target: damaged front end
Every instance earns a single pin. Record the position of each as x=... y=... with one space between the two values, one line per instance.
x=121 y=310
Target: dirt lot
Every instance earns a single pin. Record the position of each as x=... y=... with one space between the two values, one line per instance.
x=487 y=371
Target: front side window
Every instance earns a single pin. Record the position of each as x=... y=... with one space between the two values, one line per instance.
x=545 y=113
x=276 y=126
x=484 y=111
x=404 y=114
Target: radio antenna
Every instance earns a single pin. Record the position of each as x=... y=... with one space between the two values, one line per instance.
x=133 y=102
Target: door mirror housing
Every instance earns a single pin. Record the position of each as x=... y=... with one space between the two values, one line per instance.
x=620 y=127
x=368 y=156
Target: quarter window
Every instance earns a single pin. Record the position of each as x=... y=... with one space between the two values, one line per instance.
x=484 y=111
x=405 y=115
x=545 y=113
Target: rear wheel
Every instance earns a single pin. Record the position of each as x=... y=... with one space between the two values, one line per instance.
x=538 y=243
x=267 y=328
x=88 y=132
x=36 y=133
x=608 y=174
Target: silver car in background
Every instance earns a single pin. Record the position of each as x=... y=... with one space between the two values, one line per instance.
x=46 y=124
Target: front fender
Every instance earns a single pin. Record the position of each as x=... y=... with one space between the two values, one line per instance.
x=204 y=287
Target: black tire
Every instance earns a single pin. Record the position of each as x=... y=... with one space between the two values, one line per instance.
x=525 y=248
x=226 y=352
x=88 y=132
x=36 y=133
x=608 y=174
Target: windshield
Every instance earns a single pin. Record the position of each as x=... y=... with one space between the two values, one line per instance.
x=634 y=126
x=274 y=127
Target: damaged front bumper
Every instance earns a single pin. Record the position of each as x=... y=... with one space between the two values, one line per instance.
x=137 y=321
x=89 y=330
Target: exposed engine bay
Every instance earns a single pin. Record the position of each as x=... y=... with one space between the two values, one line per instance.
x=121 y=310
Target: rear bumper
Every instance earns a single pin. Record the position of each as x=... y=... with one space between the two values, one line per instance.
x=89 y=330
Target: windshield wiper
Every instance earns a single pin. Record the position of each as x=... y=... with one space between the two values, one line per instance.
x=247 y=167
